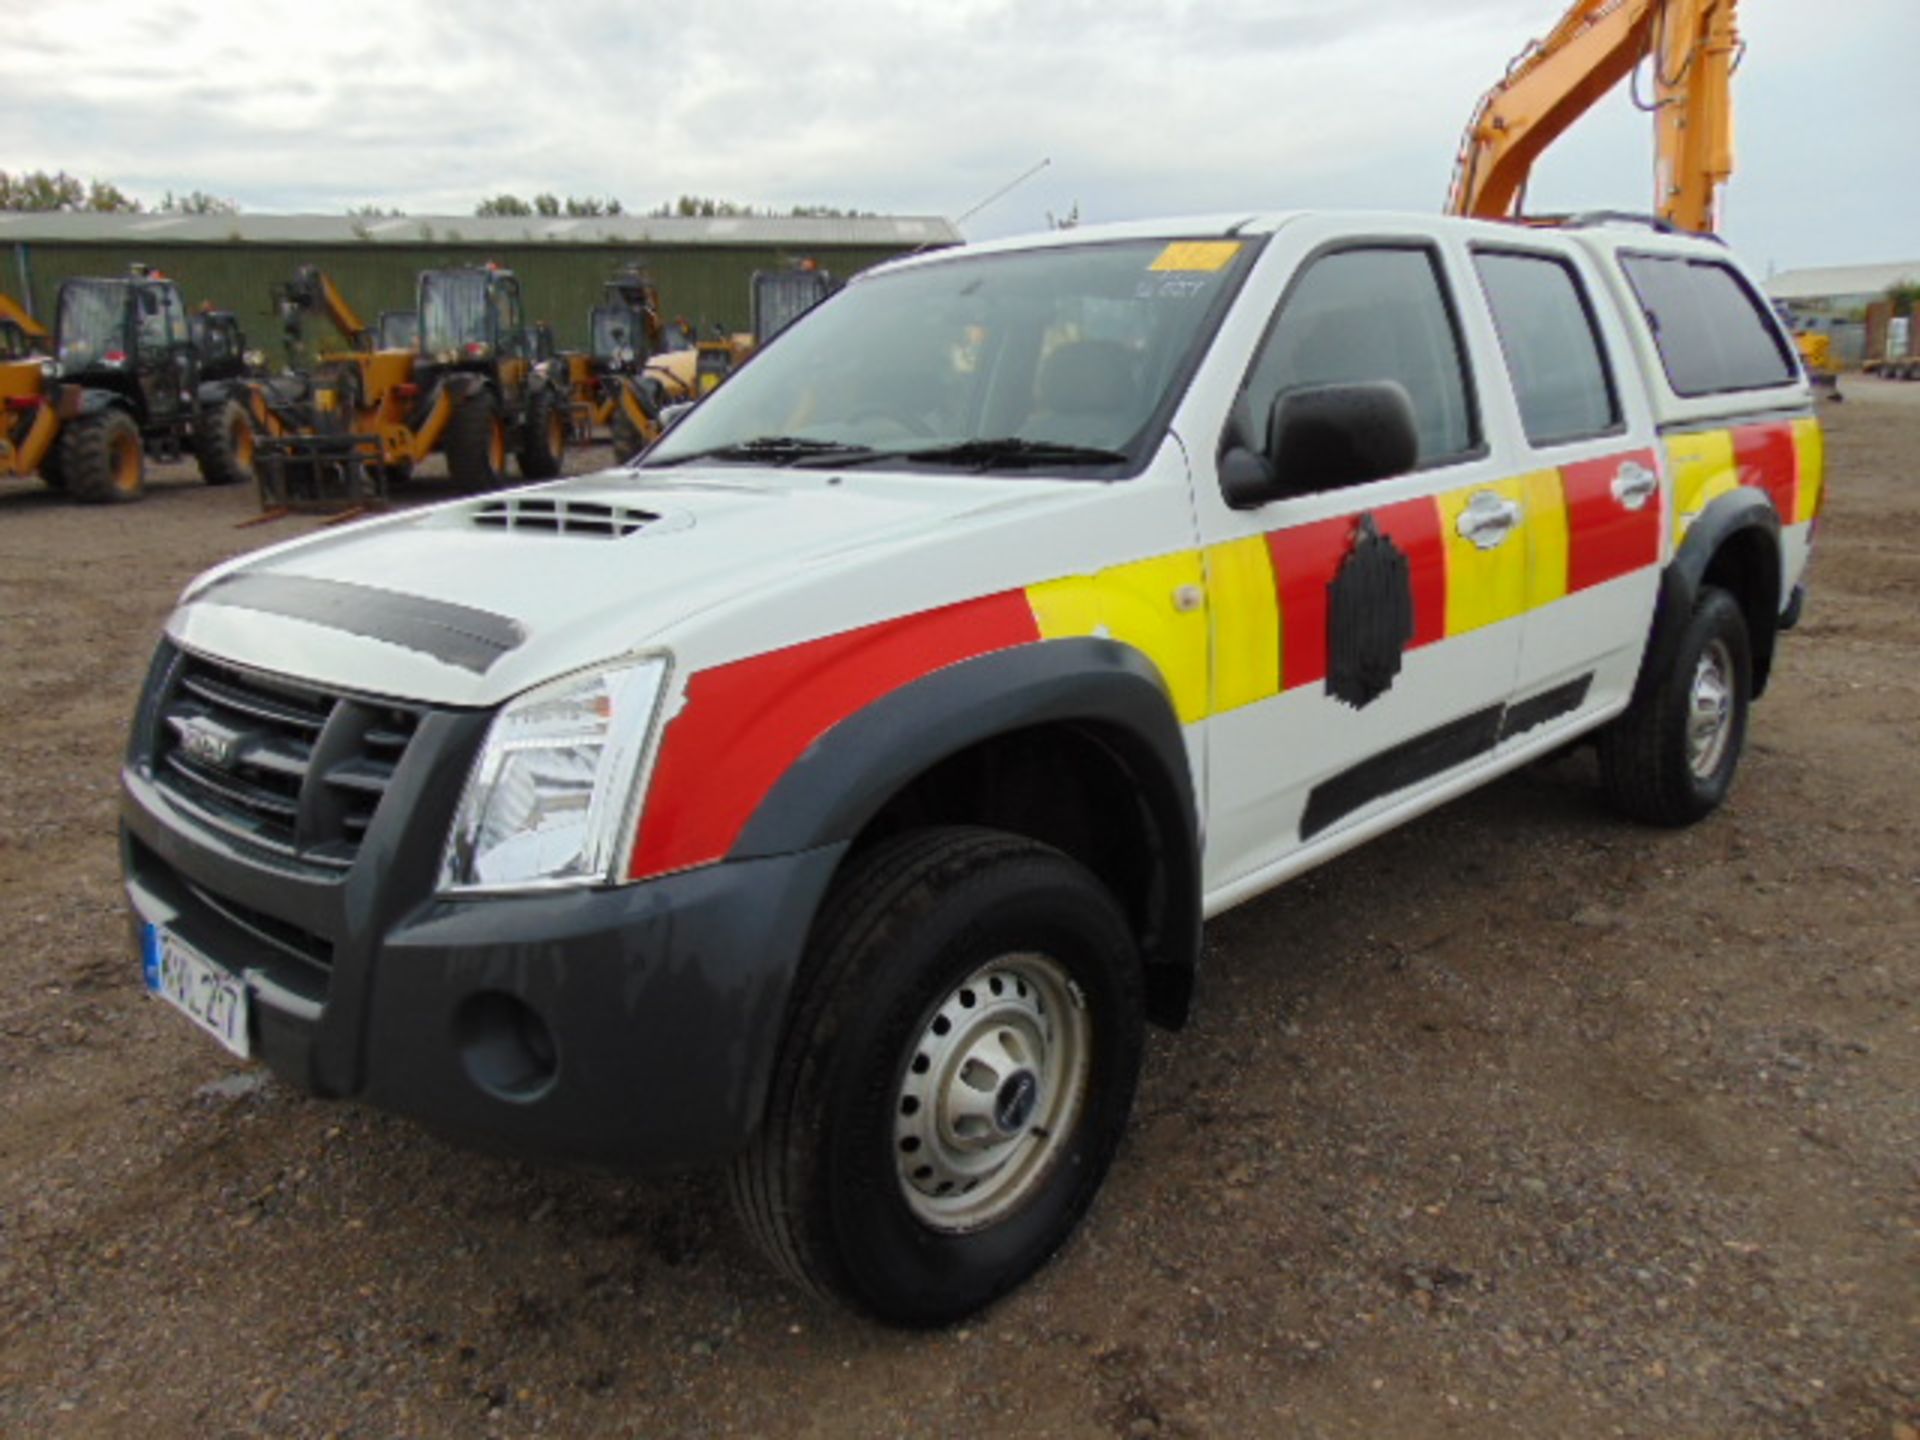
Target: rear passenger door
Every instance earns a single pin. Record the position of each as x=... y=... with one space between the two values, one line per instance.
x=1302 y=748
x=1592 y=478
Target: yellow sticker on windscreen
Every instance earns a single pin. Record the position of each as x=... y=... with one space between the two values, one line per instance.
x=1196 y=255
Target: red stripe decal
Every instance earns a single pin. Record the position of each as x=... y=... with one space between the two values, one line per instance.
x=1605 y=539
x=1414 y=525
x=1304 y=559
x=742 y=725
x=1764 y=456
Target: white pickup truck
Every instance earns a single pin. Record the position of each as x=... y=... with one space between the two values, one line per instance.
x=835 y=792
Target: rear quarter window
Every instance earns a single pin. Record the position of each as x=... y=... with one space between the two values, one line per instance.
x=1712 y=332
x=1552 y=349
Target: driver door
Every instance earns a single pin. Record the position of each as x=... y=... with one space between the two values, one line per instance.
x=1365 y=639
x=166 y=367
x=511 y=340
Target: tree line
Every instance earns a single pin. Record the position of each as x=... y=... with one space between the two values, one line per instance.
x=686 y=206
x=39 y=190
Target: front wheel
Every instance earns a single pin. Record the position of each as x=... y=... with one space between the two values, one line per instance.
x=1669 y=760
x=543 y=437
x=959 y=1066
x=102 y=459
x=223 y=444
x=476 y=443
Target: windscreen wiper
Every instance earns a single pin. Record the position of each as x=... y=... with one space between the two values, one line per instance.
x=770 y=450
x=1012 y=450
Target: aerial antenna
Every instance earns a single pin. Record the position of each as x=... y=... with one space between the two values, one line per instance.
x=1018 y=180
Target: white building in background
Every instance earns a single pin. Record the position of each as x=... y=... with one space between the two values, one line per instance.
x=1839 y=289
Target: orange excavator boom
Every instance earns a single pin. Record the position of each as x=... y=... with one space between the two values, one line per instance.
x=1691 y=48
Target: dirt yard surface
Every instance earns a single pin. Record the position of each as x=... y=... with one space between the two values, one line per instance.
x=1520 y=1121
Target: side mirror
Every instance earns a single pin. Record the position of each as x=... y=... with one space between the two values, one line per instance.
x=1325 y=437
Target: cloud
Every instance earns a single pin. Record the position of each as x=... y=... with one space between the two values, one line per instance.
x=1143 y=106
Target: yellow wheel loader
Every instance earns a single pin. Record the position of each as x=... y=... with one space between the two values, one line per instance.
x=127 y=379
x=467 y=385
x=29 y=419
x=776 y=298
x=628 y=372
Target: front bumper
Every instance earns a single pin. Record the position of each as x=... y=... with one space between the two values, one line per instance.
x=632 y=1026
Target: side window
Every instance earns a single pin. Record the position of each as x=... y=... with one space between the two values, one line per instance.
x=506 y=309
x=1371 y=314
x=1552 y=350
x=1712 y=332
x=174 y=311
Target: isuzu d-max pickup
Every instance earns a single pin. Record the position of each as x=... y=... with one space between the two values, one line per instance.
x=835 y=792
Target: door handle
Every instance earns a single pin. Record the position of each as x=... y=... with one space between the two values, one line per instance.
x=1487 y=519
x=1635 y=485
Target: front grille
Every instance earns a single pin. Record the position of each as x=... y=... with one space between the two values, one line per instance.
x=295 y=770
x=545 y=513
x=313 y=951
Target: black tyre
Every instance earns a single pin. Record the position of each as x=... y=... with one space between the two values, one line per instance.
x=1669 y=760
x=476 y=443
x=961 y=1056
x=223 y=444
x=543 y=437
x=102 y=458
x=51 y=470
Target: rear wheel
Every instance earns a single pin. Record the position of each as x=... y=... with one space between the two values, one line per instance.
x=959 y=1065
x=51 y=470
x=102 y=458
x=543 y=437
x=477 y=443
x=223 y=444
x=1669 y=760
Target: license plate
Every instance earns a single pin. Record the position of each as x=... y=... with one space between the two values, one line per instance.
x=212 y=998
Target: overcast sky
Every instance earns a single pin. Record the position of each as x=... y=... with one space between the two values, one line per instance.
x=1143 y=107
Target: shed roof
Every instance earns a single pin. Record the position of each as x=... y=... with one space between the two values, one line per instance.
x=1831 y=280
x=796 y=230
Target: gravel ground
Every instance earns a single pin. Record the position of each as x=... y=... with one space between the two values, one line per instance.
x=1520 y=1121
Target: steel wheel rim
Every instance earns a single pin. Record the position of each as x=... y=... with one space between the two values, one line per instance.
x=990 y=1092
x=242 y=442
x=556 y=433
x=497 y=445
x=1710 y=709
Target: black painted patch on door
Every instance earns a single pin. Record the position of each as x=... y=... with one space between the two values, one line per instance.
x=1369 y=618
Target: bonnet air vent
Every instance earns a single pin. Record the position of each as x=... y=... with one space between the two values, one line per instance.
x=544 y=513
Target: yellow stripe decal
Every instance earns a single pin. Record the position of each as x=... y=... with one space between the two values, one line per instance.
x=1246 y=623
x=1483 y=586
x=1544 y=519
x=1703 y=470
x=1138 y=605
x=1810 y=462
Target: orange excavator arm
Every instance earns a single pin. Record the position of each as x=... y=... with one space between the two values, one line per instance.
x=30 y=327
x=1692 y=47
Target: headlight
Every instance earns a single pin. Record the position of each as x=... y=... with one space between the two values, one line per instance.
x=550 y=798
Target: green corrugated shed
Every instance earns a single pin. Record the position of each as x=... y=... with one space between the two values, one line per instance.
x=703 y=267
